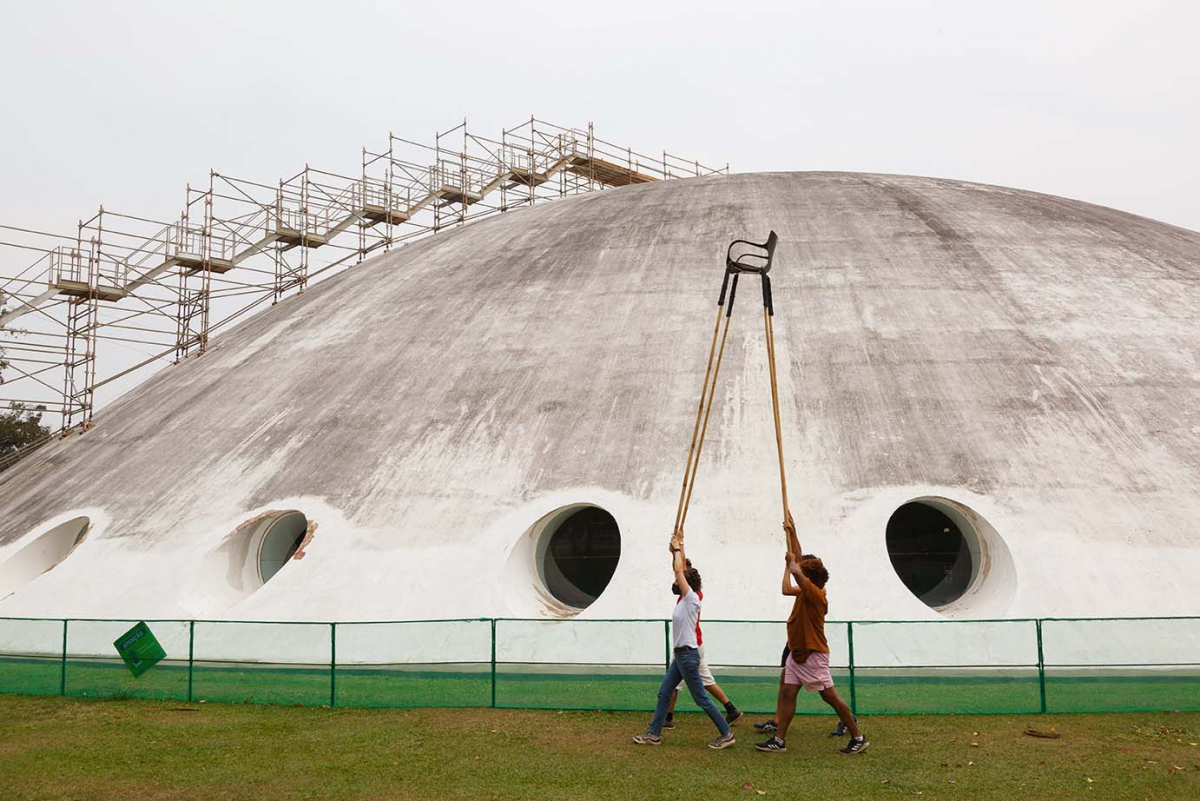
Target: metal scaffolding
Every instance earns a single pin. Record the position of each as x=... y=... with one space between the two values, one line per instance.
x=138 y=291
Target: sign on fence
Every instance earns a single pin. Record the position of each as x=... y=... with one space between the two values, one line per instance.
x=139 y=649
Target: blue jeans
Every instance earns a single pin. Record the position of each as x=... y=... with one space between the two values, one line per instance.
x=685 y=666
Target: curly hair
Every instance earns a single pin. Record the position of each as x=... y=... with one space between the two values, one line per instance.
x=693 y=577
x=814 y=569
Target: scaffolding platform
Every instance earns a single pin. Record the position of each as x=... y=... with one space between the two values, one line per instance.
x=292 y=238
x=606 y=172
x=80 y=289
x=379 y=214
x=449 y=194
x=194 y=263
x=522 y=177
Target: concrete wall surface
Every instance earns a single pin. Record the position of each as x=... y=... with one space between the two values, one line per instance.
x=1031 y=358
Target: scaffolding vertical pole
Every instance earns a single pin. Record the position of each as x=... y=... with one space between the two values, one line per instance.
x=305 y=212
x=464 y=179
x=206 y=244
x=503 y=165
x=74 y=268
x=532 y=150
x=81 y=317
x=360 y=206
x=390 y=189
x=591 y=157
x=277 y=224
x=435 y=179
x=181 y=298
x=562 y=174
x=91 y=341
x=533 y=162
x=191 y=322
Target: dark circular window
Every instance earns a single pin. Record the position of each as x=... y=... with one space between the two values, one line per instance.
x=931 y=553
x=580 y=555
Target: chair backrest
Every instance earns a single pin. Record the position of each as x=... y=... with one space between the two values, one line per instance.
x=738 y=265
x=772 y=241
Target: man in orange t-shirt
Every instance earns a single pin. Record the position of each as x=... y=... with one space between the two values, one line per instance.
x=808 y=659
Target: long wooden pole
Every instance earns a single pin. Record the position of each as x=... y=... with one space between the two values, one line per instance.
x=688 y=469
x=767 y=320
x=704 y=428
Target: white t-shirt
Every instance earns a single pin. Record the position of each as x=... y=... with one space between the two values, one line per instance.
x=684 y=620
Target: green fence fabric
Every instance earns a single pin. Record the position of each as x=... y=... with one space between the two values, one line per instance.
x=880 y=667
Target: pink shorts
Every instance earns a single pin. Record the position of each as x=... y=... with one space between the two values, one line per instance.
x=813 y=674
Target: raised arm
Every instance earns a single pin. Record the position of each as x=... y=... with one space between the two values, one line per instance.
x=678 y=563
x=789 y=563
x=793 y=542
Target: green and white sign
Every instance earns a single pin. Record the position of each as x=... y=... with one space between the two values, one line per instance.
x=139 y=649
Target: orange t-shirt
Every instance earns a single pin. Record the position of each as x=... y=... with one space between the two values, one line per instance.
x=806 y=623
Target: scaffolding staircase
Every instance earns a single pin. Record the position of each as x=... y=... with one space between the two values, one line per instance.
x=119 y=261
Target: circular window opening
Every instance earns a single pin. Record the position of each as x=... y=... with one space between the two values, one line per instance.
x=281 y=539
x=577 y=553
x=931 y=553
x=42 y=554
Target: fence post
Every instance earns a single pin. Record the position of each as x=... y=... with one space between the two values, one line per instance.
x=850 y=649
x=493 y=663
x=191 y=655
x=62 y=673
x=333 y=664
x=1041 y=665
x=666 y=645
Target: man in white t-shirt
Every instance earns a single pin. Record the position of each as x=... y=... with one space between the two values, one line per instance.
x=686 y=662
x=732 y=713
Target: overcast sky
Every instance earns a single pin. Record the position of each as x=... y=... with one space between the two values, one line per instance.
x=122 y=103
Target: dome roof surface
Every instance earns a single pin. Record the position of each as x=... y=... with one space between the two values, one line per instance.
x=1030 y=359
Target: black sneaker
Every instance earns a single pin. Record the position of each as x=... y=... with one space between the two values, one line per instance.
x=841 y=730
x=669 y=723
x=766 y=727
x=734 y=716
x=773 y=746
x=856 y=746
x=647 y=739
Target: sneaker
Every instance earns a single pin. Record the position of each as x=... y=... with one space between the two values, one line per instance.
x=841 y=730
x=668 y=724
x=724 y=741
x=734 y=716
x=774 y=746
x=766 y=727
x=856 y=746
x=647 y=739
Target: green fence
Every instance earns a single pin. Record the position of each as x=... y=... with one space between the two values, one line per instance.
x=882 y=667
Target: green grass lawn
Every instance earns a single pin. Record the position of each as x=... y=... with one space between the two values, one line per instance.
x=54 y=747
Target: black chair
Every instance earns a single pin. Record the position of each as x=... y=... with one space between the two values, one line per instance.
x=762 y=253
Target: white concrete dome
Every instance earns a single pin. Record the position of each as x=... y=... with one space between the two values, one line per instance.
x=1022 y=364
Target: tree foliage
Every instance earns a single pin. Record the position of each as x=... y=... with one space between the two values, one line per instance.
x=20 y=426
